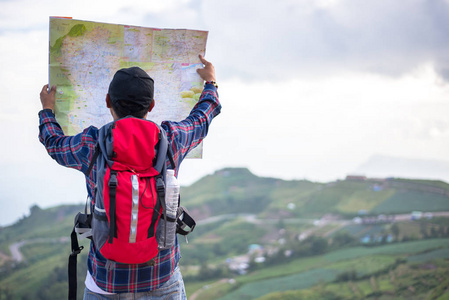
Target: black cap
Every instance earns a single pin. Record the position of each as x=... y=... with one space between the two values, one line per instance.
x=132 y=85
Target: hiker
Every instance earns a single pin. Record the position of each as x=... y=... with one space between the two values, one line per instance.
x=160 y=278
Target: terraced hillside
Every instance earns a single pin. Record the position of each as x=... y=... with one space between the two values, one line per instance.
x=270 y=238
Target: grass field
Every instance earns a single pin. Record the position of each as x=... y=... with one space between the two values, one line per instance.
x=292 y=282
x=25 y=279
x=309 y=272
x=407 y=201
x=430 y=256
x=362 y=266
x=365 y=265
x=404 y=282
x=366 y=199
x=41 y=261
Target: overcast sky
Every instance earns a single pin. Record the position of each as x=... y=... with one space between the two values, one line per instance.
x=310 y=89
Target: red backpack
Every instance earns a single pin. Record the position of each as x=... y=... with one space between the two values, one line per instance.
x=130 y=190
x=129 y=197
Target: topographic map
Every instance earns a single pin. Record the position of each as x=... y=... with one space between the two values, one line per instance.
x=84 y=57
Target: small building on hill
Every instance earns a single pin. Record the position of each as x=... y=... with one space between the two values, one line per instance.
x=356 y=178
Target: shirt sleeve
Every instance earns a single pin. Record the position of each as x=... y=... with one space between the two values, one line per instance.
x=70 y=151
x=186 y=135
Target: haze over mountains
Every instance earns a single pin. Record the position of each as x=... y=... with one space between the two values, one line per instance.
x=47 y=189
x=389 y=166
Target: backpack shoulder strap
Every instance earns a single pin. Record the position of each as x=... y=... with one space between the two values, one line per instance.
x=94 y=159
x=161 y=151
x=72 y=270
x=170 y=157
x=164 y=148
x=103 y=134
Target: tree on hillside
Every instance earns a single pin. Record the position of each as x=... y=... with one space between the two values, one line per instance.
x=433 y=232
x=395 y=231
x=319 y=245
x=342 y=239
x=423 y=230
x=35 y=209
x=5 y=293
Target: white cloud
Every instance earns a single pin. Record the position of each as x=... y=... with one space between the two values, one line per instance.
x=27 y=14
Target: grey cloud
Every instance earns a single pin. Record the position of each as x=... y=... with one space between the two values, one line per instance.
x=300 y=39
x=296 y=38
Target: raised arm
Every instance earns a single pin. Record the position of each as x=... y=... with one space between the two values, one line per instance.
x=69 y=151
x=187 y=134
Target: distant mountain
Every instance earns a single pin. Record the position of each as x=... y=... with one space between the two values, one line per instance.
x=237 y=190
x=388 y=166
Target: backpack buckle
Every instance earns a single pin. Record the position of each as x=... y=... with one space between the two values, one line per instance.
x=77 y=251
x=185 y=223
x=113 y=180
x=160 y=186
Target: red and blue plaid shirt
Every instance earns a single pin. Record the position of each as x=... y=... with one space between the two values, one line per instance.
x=77 y=152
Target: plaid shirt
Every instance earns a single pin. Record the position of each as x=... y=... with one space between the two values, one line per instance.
x=77 y=152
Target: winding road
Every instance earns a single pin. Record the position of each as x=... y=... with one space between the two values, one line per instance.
x=17 y=256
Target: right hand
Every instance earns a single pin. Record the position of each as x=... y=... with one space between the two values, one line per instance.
x=208 y=72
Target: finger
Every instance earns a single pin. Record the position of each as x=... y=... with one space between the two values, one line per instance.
x=203 y=60
x=45 y=88
x=53 y=89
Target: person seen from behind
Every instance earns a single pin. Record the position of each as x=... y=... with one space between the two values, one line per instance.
x=131 y=93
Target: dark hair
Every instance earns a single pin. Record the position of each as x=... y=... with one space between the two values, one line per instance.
x=125 y=108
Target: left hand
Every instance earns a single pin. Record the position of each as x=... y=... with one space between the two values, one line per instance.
x=48 y=98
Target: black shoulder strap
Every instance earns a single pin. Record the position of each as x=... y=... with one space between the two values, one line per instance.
x=76 y=249
x=170 y=157
x=112 y=206
x=94 y=159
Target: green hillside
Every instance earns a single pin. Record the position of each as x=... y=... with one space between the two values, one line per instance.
x=54 y=222
x=239 y=191
x=302 y=230
x=43 y=273
x=392 y=267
